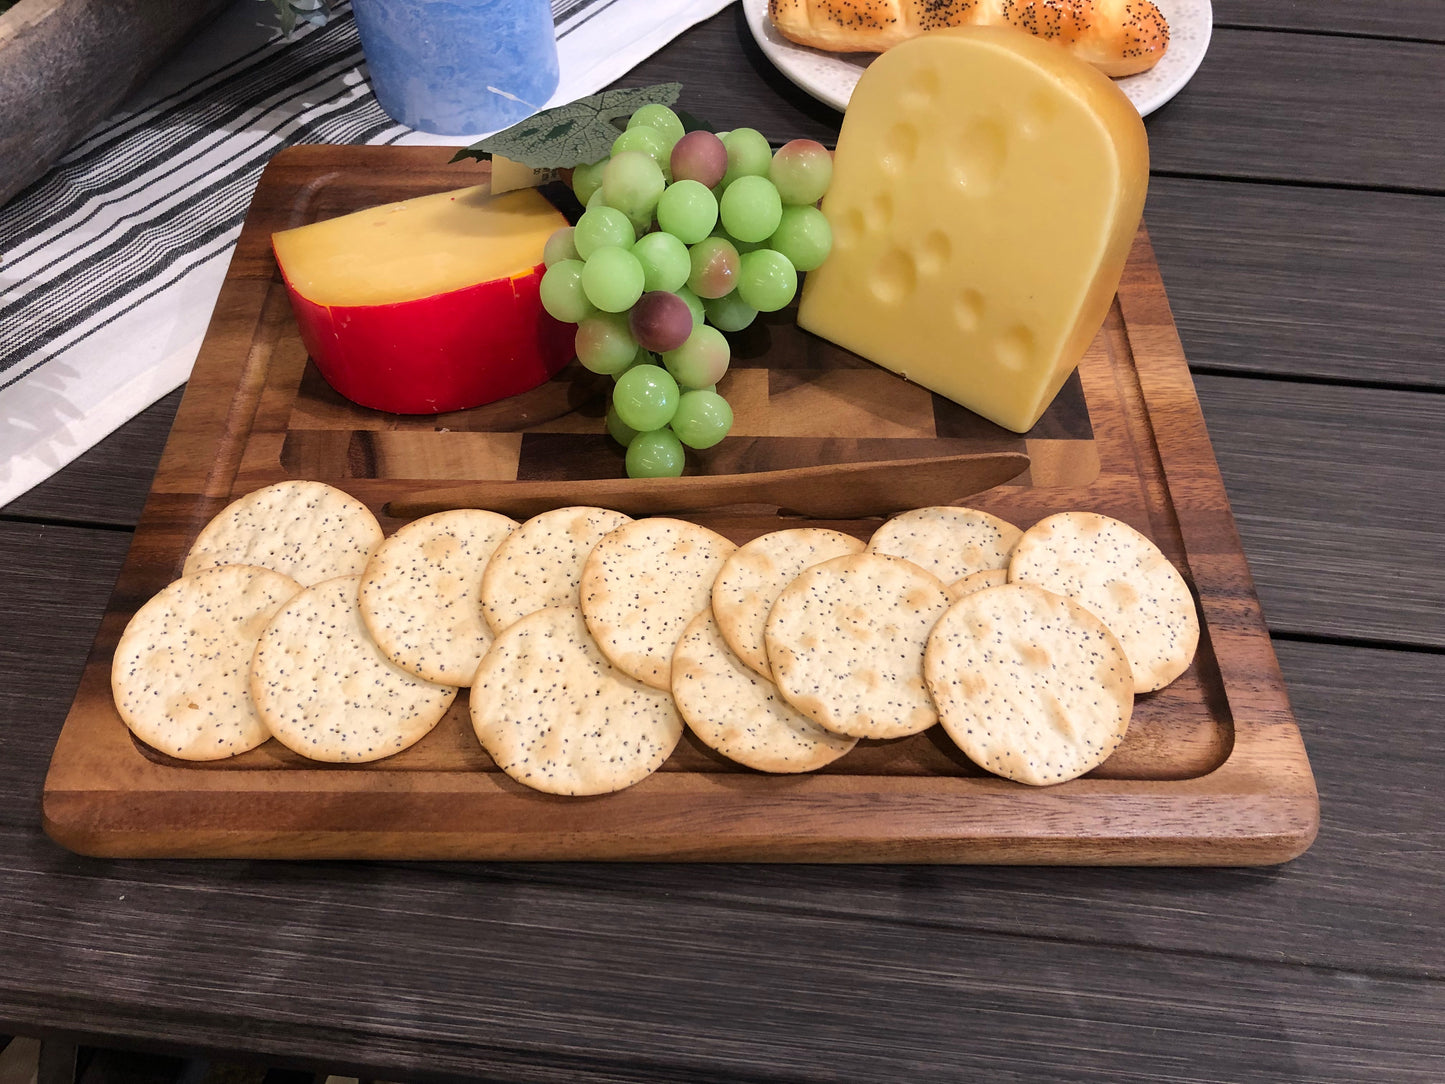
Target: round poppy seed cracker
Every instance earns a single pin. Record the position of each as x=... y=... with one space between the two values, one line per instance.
x=326 y=691
x=642 y=584
x=846 y=638
x=1029 y=684
x=947 y=541
x=556 y=716
x=309 y=531
x=182 y=669
x=740 y=713
x=421 y=593
x=751 y=579
x=540 y=563
x=1113 y=570
x=977 y=581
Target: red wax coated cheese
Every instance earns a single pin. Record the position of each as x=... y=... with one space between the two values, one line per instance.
x=452 y=351
x=428 y=305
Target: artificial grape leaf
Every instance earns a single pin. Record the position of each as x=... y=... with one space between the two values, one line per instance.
x=290 y=12
x=576 y=134
x=286 y=15
x=691 y=123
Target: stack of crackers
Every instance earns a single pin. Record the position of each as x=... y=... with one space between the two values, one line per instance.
x=590 y=640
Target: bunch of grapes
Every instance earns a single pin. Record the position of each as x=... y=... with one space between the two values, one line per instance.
x=685 y=235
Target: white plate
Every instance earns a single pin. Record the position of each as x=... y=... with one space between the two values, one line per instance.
x=830 y=77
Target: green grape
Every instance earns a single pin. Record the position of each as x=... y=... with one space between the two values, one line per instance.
x=587 y=180
x=632 y=182
x=703 y=418
x=802 y=169
x=715 y=265
x=750 y=209
x=729 y=312
x=605 y=343
x=766 y=280
x=664 y=260
x=612 y=279
x=701 y=360
x=694 y=303
x=655 y=454
x=803 y=236
x=687 y=210
x=649 y=141
x=559 y=246
x=645 y=397
x=741 y=246
x=642 y=357
x=659 y=117
x=562 y=294
x=748 y=154
x=602 y=227
x=641 y=224
x=619 y=431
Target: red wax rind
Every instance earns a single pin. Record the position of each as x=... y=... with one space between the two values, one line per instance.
x=450 y=351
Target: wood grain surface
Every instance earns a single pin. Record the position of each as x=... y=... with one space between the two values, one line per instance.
x=1364 y=569
x=1330 y=968
x=1243 y=262
x=1415 y=20
x=1263 y=96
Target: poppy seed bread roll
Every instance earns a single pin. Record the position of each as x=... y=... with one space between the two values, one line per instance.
x=1119 y=37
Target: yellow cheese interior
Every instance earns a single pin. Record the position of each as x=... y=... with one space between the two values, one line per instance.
x=418 y=247
x=986 y=189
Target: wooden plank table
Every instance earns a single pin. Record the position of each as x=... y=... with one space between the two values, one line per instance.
x=1296 y=211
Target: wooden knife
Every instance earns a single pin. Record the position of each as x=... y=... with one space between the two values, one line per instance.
x=830 y=491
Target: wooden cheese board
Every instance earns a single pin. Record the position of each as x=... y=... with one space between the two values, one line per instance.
x=1213 y=770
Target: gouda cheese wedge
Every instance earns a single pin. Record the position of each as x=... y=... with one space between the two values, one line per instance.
x=986 y=189
x=418 y=247
x=427 y=305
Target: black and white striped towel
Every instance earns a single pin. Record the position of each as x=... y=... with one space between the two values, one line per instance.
x=110 y=264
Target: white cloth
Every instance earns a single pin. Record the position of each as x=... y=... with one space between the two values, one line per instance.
x=110 y=264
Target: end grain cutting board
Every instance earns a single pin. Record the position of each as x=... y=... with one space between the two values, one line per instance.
x=1212 y=771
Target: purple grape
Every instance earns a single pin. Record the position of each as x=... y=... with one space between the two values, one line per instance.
x=660 y=321
x=701 y=157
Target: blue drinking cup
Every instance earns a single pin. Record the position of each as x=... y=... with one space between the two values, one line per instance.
x=459 y=67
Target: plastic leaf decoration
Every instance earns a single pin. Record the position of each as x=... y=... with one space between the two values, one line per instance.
x=576 y=134
x=291 y=12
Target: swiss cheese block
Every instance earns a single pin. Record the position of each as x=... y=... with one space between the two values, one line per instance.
x=430 y=304
x=986 y=189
